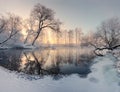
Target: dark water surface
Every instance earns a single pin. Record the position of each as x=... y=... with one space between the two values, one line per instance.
x=59 y=61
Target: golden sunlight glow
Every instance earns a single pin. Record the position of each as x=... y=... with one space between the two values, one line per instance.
x=24 y=33
x=50 y=37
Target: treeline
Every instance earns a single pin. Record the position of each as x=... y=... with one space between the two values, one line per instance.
x=40 y=27
x=43 y=28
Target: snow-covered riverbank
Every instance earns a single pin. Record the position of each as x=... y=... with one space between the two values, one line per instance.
x=103 y=78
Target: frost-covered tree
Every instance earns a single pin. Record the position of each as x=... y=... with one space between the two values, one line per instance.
x=44 y=19
x=109 y=33
x=2 y=23
x=10 y=26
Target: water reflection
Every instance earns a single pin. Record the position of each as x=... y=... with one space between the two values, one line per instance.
x=55 y=62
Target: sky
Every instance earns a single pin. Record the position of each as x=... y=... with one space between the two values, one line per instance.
x=85 y=14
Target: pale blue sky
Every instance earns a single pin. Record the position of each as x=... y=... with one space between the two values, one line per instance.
x=87 y=14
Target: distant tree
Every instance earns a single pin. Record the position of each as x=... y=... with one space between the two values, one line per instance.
x=58 y=35
x=70 y=33
x=88 y=39
x=78 y=35
x=44 y=19
x=65 y=36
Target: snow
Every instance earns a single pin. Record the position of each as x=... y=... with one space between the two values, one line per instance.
x=102 y=79
x=5 y=47
x=25 y=46
x=18 y=46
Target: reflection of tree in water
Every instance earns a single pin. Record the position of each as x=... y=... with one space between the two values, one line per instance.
x=35 y=66
x=10 y=59
x=56 y=63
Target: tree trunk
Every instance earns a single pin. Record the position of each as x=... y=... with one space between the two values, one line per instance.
x=36 y=37
x=26 y=39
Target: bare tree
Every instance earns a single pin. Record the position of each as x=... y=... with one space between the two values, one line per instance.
x=2 y=23
x=12 y=26
x=65 y=36
x=107 y=35
x=29 y=26
x=80 y=35
x=44 y=18
x=58 y=34
x=76 y=36
x=70 y=37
